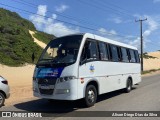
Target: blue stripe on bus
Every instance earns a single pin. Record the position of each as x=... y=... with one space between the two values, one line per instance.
x=49 y=72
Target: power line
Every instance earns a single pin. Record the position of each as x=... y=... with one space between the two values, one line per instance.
x=64 y=21
x=64 y=16
x=83 y=21
x=27 y=12
x=115 y=6
x=103 y=8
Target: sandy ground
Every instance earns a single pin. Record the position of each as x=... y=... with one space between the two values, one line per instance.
x=41 y=44
x=152 y=63
x=20 y=82
x=20 y=78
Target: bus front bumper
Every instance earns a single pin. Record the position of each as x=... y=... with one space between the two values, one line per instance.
x=61 y=91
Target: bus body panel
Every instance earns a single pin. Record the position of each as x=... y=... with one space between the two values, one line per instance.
x=70 y=85
x=109 y=75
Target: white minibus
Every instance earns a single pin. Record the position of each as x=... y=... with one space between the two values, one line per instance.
x=84 y=66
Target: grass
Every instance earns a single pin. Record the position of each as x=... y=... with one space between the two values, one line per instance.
x=146 y=56
x=16 y=44
x=150 y=71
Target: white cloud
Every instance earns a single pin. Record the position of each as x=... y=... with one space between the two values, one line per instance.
x=113 y=32
x=61 y=8
x=59 y=29
x=105 y=32
x=50 y=25
x=39 y=18
x=155 y=1
x=152 y=26
x=42 y=9
x=135 y=43
x=117 y=20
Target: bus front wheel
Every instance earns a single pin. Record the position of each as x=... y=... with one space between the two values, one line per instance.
x=129 y=85
x=90 y=95
x=2 y=99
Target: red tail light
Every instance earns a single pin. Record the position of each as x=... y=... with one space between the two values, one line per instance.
x=5 y=82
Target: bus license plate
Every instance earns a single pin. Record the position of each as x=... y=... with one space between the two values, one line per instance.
x=46 y=87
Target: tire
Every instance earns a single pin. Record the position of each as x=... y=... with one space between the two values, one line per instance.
x=2 y=99
x=90 y=95
x=128 y=86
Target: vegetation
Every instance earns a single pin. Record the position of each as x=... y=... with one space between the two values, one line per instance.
x=146 y=56
x=149 y=71
x=44 y=37
x=16 y=44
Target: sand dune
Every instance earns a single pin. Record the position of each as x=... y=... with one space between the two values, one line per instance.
x=41 y=44
x=152 y=63
x=20 y=82
x=155 y=54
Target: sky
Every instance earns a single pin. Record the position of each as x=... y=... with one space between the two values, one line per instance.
x=114 y=19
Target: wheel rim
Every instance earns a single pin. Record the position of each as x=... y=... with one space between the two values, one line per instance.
x=129 y=85
x=1 y=100
x=91 y=96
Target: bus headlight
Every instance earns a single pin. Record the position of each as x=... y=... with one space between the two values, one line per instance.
x=66 y=78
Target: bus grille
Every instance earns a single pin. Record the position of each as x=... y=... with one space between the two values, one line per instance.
x=46 y=92
x=42 y=81
x=50 y=81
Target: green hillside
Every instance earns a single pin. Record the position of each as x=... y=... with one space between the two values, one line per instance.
x=16 y=44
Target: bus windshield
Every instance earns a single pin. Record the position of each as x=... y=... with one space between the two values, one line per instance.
x=61 y=51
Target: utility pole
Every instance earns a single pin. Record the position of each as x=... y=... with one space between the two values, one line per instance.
x=141 y=20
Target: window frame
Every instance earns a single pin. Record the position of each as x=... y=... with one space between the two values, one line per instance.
x=106 y=49
x=137 y=55
x=131 y=56
x=97 y=51
x=127 y=54
x=109 y=52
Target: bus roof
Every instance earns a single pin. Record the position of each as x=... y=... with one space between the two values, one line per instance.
x=103 y=39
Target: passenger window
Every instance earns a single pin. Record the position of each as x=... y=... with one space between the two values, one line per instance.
x=124 y=55
x=114 y=53
x=132 y=56
x=90 y=51
x=137 y=56
x=103 y=51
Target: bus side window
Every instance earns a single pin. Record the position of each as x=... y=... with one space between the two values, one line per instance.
x=119 y=53
x=92 y=53
x=137 y=56
x=103 y=51
x=132 y=56
x=114 y=53
x=89 y=51
x=125 y=57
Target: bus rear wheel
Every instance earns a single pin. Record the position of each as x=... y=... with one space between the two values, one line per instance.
x=128 y=86
x=90 y=95
x=2 y=99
